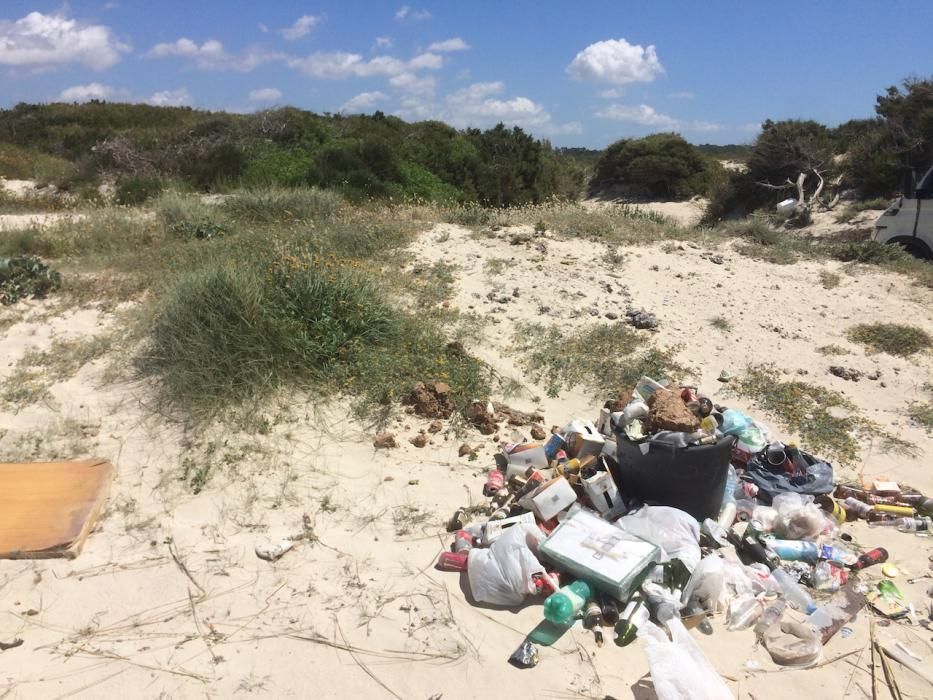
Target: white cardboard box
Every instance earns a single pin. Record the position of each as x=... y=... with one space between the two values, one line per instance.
x=552 y=497
x=494 y=528
x=602 y=492
x=532 y=457
x=585 y=433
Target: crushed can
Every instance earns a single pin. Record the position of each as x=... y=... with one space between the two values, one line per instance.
x=495 y=480
x=463 y=541
x=452 y=561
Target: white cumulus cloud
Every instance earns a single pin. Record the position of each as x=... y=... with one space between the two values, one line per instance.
x=406 y=14
x=414 y=84
x=362 y=102
x=91 y=91
x=170 y=98
x=337 y=65
x=41 y=41
x=265 y=95
x=383 y=42
x=646 y=115
x=454 y=44
x=211 y=55
x=480 y=105
x=301 y=28
x=617 y=62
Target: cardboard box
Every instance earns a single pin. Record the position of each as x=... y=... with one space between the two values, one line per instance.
x=551 y=497
x=526 y=456
x=583 y=439
x=602 y=492
x=590 y=548
x=494 y=528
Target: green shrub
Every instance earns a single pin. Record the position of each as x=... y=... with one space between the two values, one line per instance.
x=275 y=165
x=25 y=276
x=660 y=165
x=187 y=216
x=891 y=338
x=138 y=189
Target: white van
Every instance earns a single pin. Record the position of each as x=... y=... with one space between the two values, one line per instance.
x=909 y=220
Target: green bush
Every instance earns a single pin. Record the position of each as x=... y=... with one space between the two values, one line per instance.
x=25 y=276
x=660 y=165
x=138 y=189
x=276 y=165
x=891 y=338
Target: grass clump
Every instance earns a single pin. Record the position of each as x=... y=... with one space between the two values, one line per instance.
x=829 y=280
x=892 y=338
x=605 y=359
x=26 y=276
x=922 y=413
x=271 y=205
x=832 y=350
x=721 y=323
x=494 y=267
x=36 y=371
x=230 y=334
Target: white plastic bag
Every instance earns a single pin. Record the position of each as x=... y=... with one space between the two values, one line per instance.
x=501 y=575
x=706 y=586
x=677 y=533
x=679 y=669
x=800 y=518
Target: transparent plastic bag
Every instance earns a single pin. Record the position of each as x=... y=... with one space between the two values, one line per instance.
x=743 y=612
x=793 y=644
x=706 y=585
x=502 y=574
x=799 y=517
x=679 y=669
x=677 y=533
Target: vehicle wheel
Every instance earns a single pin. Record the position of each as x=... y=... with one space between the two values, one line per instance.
x=915 y=247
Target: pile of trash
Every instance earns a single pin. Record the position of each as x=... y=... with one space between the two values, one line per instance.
x=668 y=510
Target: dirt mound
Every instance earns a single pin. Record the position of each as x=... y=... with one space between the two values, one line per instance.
x=430 y=400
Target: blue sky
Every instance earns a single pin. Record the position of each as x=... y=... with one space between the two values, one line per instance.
x=577 y=73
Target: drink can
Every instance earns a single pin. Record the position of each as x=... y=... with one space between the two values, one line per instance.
x=453 y=561
x=495 y=480
x=833 y=507
x=463 y=541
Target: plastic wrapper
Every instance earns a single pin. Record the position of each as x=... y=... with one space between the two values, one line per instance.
x=502 y=574
x=677 y=533
x=793 y=644
x=767 y=516
x=743 y=612
x=679 y=669
x=706 y=586
x=526 y=656
x=799 y=518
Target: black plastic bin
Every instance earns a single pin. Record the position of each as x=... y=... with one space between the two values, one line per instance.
x=690 y=478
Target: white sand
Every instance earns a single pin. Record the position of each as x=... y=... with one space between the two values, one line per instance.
x=123 y=619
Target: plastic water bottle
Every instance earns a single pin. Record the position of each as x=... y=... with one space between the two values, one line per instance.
x=913 y=524
x=728 y=493
x=771 y=616
x=794 y=593
x=562 y=607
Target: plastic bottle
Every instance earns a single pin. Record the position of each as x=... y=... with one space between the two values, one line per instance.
x=795 y=550
x=913 y=524
x=794 y=593
x=728 y=493
x=771 y=616
x=856 y=508
x=878 y=555
x=562 y=607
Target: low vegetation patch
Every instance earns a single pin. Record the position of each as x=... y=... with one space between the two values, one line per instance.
x=828 y=423
x=605 y=359
x=272 y=205
x=721 y=323
x=832 y=350
x=829 y=280
x=26 y=276
x=922 y=413
x=891 y=338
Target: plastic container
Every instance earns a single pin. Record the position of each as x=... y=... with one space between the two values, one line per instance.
x=913 y=524
x=794 y=593
x=692 y=479
x=771 y=616
x=562 y=607
x=795 y=550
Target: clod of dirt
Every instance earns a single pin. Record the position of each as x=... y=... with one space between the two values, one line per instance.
x=465 y=450
x=538 y=433
x=642 y=319
x=716 y=259
x=435 y=427
x=479 y=415
x=612 y=316
x=669 y=412
x=515 y=417
x=847 y=373
x=428 y=402
x=384 y=441
x=420 y=440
